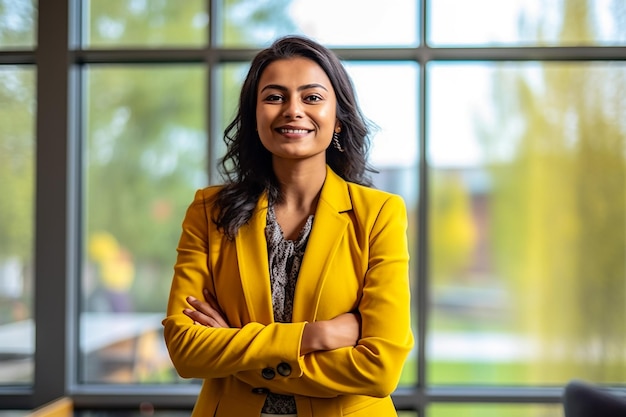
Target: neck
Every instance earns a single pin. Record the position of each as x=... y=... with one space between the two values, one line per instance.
x=300 y=186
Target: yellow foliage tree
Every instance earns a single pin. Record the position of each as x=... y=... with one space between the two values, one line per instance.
x=559 y=210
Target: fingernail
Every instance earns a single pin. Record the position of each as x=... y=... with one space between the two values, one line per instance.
x=190 y=298
x=186 y=311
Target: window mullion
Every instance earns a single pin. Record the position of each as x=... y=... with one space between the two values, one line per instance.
x=51 y=206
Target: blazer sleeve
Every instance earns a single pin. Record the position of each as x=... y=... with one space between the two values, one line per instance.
x=198 y=351
x=373 y=367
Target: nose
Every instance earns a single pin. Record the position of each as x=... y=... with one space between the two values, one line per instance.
x=293 y=109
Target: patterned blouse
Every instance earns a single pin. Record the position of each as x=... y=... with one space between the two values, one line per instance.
x=285 y=257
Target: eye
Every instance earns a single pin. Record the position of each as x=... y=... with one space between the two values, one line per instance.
x=274 y=97
x=313 y=98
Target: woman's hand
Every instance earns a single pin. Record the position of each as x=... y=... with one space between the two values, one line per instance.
x=206 y=313
x=342 y=331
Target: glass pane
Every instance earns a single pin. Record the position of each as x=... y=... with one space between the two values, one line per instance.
x=17 y=184
x=526 y=22
x=145 y=157
x=145 y=23
x=333 y=23
x=18 y=19
x=527 y=222
x=495 y=410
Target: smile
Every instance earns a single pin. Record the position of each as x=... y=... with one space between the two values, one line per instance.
x=293 y=131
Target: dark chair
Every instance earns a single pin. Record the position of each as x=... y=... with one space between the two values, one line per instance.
x=583 y=399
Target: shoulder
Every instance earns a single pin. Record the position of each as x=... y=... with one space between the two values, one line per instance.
x=207 y=194
x=368 y=196
x=373 y=206
x=203 y=201
x=345 y=195
x=379 y=212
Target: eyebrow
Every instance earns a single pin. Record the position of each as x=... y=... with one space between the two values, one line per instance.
x=302 y=87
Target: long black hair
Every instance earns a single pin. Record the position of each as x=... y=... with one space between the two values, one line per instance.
x=247 y=165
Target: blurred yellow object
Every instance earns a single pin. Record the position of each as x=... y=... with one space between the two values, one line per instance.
x=116 y=266
x=117 y=273
x=103 y=246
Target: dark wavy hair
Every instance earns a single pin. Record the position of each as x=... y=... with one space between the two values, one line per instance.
x=247 y=165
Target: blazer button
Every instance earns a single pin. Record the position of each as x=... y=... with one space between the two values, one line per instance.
x=259 y=390
x=268 y=373
x=284 y=369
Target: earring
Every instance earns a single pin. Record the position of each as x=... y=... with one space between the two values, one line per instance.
x=336 y=142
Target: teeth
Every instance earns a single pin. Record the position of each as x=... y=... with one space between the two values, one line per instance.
x=293 y=130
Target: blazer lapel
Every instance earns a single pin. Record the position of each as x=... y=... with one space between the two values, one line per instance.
x=253 y=263
x=328 y=228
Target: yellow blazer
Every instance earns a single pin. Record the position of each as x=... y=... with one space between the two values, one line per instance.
x=356 y=257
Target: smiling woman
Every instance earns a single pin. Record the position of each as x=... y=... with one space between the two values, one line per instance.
x=275 y=303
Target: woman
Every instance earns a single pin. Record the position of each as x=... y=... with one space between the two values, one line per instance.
x=290 y=294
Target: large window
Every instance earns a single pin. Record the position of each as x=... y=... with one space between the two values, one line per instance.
x=499 y=122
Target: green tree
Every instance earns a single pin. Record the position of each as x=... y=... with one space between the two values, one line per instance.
x=16 y=162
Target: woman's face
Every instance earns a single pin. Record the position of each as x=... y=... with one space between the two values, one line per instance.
x=296 y=110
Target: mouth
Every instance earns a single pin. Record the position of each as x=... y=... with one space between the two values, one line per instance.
x=290 y=131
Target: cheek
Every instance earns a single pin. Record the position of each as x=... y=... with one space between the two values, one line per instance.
x=328 y=114
x=263 y=127
x=329 y=121
x=263 y=130
x=263 y=119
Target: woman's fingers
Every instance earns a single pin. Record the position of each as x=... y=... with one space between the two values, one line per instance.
x=201 y=318
x=215 y=306
x=204 y=313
